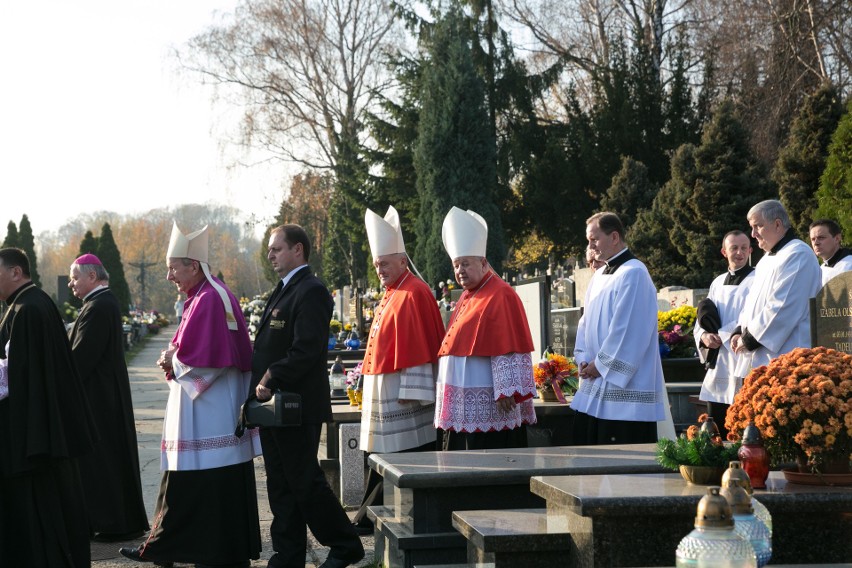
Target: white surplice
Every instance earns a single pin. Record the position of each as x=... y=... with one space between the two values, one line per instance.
x=388 y=426
x=618 y=331
x=201 y=416
x=777 y=309
x=720 y=383
x=468 y=389
x=842 y=265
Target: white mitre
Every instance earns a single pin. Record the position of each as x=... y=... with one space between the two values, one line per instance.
x=195 y=247
x=465 y=233
x=384 y=234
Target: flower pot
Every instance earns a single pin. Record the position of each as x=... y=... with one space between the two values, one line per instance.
x=702 y=474
x=546 y=394
x=808 y=478
x=838 y=465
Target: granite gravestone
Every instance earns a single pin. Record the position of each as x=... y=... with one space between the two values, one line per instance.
x=563 y=330
x=831 y=314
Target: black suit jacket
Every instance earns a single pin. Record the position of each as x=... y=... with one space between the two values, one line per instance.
x=292 y=343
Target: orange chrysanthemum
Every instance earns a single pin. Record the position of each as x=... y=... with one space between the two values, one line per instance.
x=801 y=404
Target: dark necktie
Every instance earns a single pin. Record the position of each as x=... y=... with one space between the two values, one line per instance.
x=273 y=299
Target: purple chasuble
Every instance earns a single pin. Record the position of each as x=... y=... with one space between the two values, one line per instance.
x=203 y=338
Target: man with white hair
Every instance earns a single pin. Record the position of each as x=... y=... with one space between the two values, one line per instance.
x=110 y=474
x=775 y=318
x=206 y=510
x=400 y=358
x=485 y=375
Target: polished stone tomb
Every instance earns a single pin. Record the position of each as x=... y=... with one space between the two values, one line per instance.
x=421 y=491
x=638 y=520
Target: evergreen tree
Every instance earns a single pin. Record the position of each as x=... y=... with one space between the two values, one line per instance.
x=111 y=259
x=27 y=243
x=712 y=187
x=802 y=160
x=454 y=156
x=650 y=241
x=627 y=115
x=11 y=239
x=834 y=196
x=395 y=133
x=630 y=192
x=89 y=244
x=560 y=172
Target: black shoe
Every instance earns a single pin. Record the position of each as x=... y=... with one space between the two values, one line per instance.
x=134 y=553
x=118 y=537
x=342 y=561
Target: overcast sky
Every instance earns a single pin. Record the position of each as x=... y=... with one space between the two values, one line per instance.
x=94 y=117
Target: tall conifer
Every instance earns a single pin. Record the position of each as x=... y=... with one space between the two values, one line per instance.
x=27 y=243
x=455 y=152
x=713 y=185
x=835 y=191
x=111 y=259
x=11 y=239
x=803 y=159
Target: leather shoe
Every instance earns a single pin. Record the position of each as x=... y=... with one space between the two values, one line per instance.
x=134 y=553
x=342 y=561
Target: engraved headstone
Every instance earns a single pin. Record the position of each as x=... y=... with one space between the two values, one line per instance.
x=831 y=314
x=351 y=465
x=563 y=330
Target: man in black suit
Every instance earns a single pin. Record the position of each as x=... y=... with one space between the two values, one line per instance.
x=290 y=352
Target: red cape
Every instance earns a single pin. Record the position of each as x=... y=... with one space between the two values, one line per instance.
x=488 y=321
x=410 y=329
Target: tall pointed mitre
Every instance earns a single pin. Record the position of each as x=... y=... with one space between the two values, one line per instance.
x=194 y=246
x=384 y=234
x=465 y=233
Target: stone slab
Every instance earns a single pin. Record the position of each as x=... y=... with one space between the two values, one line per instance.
x=397 y=546
x=516 y=530
x=607 y=517
x=471 y=468
x=421 y=490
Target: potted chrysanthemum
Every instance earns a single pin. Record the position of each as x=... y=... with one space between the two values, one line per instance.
x=802 y=404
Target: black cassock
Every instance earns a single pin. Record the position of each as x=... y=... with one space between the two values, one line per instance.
x=45 y=425
x=110 y=474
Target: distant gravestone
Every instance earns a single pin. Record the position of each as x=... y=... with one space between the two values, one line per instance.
x=677 y=296
x=535 y=296
x=563 y=330
x=62 y=295
x=831 y=314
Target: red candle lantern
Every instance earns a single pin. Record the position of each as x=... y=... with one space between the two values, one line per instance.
x=754 y=457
